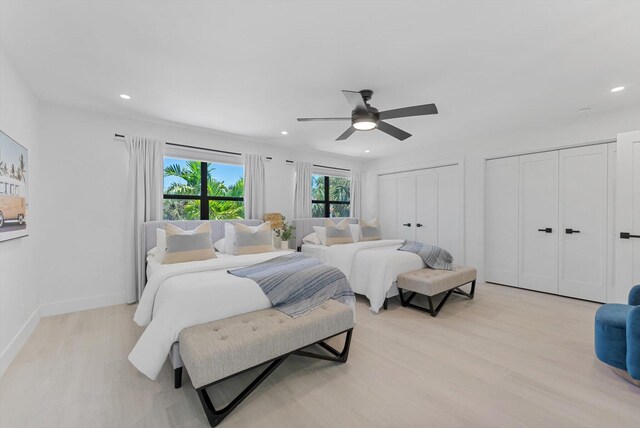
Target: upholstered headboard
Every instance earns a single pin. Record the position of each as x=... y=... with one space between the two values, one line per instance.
x=304 y=226
x=217 y=228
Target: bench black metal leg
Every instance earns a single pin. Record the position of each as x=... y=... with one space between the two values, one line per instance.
x=463 y=293
x=216 y=416
x=435 y=310
x=401 y=294
x=386 y=303
x=339 y=356
x=177 y=377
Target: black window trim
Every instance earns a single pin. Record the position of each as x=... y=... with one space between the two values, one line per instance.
x=203 y=197
x=326 y=201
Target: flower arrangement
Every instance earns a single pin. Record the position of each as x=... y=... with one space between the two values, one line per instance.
x=285 y=232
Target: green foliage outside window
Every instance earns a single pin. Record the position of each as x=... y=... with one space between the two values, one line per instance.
x=336 y=202
x=185 y=179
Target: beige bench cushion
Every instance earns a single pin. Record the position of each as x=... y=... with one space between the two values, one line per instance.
x=435 y=281
x=218 y=349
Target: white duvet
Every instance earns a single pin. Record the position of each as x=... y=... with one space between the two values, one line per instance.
x=182 y=295
x=372 y=267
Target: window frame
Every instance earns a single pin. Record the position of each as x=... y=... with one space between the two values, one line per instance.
x=327 y=202
x=203 y=197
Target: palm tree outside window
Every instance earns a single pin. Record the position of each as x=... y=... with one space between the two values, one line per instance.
x=331 y=196
x=195 y=190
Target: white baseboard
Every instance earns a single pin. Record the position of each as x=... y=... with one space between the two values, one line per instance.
x=75 y=305
x=10 y=352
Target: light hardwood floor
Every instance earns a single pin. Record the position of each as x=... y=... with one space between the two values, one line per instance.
x=509 y=358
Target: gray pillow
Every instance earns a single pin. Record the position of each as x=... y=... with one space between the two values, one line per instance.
x=370 y=230
x=188 y=246
x=253 y=240
x=338 y=233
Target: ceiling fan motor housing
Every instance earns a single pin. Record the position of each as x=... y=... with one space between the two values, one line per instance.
x=359 y=116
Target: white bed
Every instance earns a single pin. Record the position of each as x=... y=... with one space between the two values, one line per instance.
x=186 y=294
x=372 y=267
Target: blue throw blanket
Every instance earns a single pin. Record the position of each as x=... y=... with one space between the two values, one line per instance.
x=432 y=256
x=296 y=284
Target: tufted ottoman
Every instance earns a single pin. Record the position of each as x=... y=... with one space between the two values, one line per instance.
x=221 y=349
x=432 y=282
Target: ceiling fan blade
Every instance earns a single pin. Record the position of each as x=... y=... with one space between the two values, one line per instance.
x=346 y=134
x=409 y=111
x=393 y=131
x=318 y=119
x=355 y=99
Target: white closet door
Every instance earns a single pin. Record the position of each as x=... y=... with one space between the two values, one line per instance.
x=388 y=206
x=426 y=206
x=501 y=256
x=627 y=215
x=406 y=191
x=583 y=223
x=538 y=226
x=450 y=211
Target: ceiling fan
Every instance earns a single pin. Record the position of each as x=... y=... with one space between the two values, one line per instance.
x=365 y=118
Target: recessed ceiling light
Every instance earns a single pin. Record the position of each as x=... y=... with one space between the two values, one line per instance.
x=617 y=89
x=284 y=132
x=125 y=97
x=367 y=151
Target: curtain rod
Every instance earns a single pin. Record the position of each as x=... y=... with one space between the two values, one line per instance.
x=194 y=147
x=238 y=154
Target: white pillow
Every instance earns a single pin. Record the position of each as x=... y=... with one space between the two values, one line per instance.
x=321 y=232
x=229 y=237
x=311 y=238
x=161 y=245
x=219 y=245
x=355 y=232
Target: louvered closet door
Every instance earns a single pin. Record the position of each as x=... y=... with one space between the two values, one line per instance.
x=427 y=206
x=406 y=191
x=538 y=225
x=501 y=256
x=450 y=211
x=583 y=223
x=388 y=206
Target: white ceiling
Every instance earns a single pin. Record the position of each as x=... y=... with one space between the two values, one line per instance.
x=251 y=68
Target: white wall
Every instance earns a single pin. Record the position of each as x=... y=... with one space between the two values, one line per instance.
x=85 y=190
x=586 y=128
x=18 y=281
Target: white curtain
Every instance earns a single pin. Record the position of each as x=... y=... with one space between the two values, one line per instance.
x=356 y=193
x=144 y=204
x=302 y=201
x=254 y=199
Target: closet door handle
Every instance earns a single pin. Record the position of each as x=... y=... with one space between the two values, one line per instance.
x=627 y=235
x=546 y=230
x=571 y=231
x=406 y=224
x=419 y=225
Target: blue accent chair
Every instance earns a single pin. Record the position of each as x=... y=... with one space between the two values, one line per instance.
x=617 y=337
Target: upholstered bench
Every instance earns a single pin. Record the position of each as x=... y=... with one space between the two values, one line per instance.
x=432 y=282
x=219 y=350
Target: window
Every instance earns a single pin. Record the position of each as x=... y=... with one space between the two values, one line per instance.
x=195 y=190
x=330 y=196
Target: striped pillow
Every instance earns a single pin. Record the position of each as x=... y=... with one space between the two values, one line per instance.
x=338 y=233
x=188 y=246
x=253 y=240
x=370 y=230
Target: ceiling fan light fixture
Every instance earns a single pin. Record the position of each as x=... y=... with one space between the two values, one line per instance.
x=364 y=123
